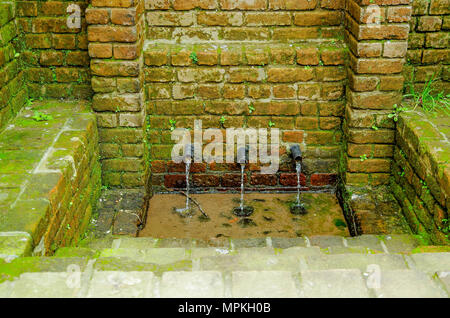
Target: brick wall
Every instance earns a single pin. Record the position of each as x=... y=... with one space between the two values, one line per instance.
x=55 y=55
x=197 y=68
x=298 y=89
x=13 y=93
x=429 y=45
x=421 y=174
x=243 y=20
x=50 y=196
x=115 y=35
x=378 y=43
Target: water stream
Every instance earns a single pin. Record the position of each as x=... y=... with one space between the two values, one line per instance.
x=186 y=209
x=188 y=165
x=298 y=168
x=242 y=188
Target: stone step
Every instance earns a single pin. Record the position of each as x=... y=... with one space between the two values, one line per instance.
x=398 y=243
x=293 y=259
x=336 y=283
x=299 y=271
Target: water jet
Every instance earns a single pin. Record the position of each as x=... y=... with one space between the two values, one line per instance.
x=243 y=159
x=187 y=211
x=297 y=208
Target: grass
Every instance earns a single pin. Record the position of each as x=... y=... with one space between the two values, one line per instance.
x=429 y=98
x=39 y=116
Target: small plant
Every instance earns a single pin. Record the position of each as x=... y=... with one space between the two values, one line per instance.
x=271 y=124
x=30 y=101
x=194 y=57
x=251 y=108
x=222 y=120
x=172 y=124
x=429 y=99
x=375 y=127
x=363 y=157
x=39 y=116
x=396 y=112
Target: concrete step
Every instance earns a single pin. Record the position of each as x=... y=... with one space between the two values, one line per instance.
x=398 y=243
x=245 y=268
x=200 y=284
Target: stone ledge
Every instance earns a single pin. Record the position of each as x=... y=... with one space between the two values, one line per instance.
x=49 y=175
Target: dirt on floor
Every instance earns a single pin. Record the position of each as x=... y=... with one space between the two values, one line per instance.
x=271 y=217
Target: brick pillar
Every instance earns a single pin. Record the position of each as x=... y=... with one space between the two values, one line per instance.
x=376 y=34
x=116 y=34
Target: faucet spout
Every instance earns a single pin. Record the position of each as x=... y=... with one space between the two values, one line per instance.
x=243 y=155
x=296 y=152
x=189 y=151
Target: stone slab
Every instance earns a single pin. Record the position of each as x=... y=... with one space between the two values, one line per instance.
x=14 y=244
x=400 y=243
x=119 y=284
x=355 y=261
x=370 y=241
x=432 y=262
x=336 y=283
x=208 y=284
x=444 y=278
x=324 y=241
x=155 y=255
x=47 y=285
x=407 y=284
x=263 y=284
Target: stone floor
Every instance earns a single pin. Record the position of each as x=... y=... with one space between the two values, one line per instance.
x=316 y=266
x=120 y=212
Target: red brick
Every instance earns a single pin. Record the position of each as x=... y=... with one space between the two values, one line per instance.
x=429 y=23
x=308 y=56
x=126 y=51
x=175 y=181
x=292 y=4
x=263 y=179
x=243 y=4
x=290 y=179
x=323 y=179
x=205 y=180
x=232 y=180
x=192 y=4
x=123 y=16
x=332 y=4
x=114 y=3
x=317 y=18
x=51 y=58
x=97 y=16
x=100 y=50
x=112 y=34
x=399 y=14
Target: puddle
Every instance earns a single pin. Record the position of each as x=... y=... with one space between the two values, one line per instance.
x=271 y=217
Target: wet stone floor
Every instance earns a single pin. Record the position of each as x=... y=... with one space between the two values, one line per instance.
x=271 y=216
